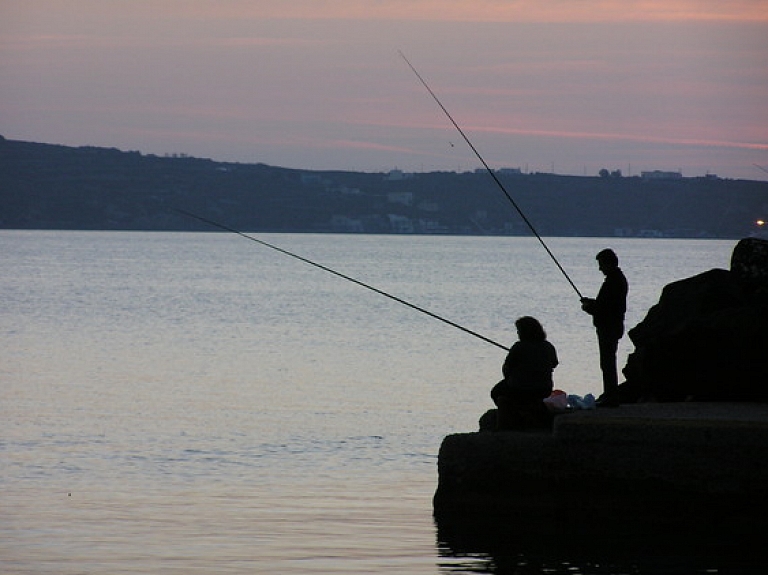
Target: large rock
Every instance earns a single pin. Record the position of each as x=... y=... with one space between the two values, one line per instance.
x=707 y=338
x=749 y=260
x=652 y=458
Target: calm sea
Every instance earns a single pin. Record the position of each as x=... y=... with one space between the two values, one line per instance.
x=197 y=403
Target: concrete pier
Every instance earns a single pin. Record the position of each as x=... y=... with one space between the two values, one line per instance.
x=644 y=459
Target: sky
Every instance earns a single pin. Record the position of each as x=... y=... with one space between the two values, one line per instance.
x=564 y=86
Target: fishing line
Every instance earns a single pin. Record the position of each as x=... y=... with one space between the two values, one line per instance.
x=492 y=173
x=341 y=275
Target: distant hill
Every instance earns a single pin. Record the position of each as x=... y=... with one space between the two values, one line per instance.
x=44 y=186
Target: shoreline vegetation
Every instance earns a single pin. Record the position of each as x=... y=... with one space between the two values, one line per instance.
x=47 y=186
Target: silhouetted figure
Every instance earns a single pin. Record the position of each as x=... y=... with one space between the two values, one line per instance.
x=527 y=379
x=607 y=311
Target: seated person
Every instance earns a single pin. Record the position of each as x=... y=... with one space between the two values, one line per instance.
x=527 y=379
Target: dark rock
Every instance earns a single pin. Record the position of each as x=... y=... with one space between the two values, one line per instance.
x=749 y=261
x=488 y=421
x=531 y=417
x=707 y=338
x=659 y=459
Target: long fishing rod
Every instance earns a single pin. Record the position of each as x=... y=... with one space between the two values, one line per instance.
x=343 y=276
x=493 y=174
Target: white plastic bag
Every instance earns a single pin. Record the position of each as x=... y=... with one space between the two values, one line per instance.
x=578 y=402
x=557 y=402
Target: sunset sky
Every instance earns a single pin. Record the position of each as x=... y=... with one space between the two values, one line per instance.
x=566 y=85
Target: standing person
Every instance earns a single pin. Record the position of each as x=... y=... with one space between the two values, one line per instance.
x=527 y=379
x=607 y=311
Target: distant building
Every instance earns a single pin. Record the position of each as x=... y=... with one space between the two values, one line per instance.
x=509 y=171
x=429 y=226
x=661 y=175
x=396 y=175
x=345 y=224
x=400 y=224
x=405 y=198
x=427 y=206
x=345 y=191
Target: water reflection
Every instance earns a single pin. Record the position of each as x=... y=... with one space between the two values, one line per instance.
x=581 y=545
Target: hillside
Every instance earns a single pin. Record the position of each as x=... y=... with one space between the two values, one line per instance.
x=44 y=186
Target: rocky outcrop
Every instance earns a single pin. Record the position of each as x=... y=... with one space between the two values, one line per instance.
x=654 y=458
x=707 y=338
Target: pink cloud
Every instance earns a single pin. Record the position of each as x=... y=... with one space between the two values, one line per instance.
x=623 y=137
x=96 y=41
x=501 y=10
x=424 y=10
x=361 y=145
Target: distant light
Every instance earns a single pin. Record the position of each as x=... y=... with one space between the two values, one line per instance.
x=760 y=222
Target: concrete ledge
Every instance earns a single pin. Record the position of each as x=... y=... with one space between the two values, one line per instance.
x=643 y=458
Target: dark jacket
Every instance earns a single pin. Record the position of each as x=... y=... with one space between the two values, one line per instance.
x=528 y=367
x=610 y=305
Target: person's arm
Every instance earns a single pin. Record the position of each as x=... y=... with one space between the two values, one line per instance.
x=555 y=360
x=588 y=304
x=511 y=360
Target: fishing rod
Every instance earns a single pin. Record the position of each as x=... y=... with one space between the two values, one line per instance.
x=493 y=175
x=341 y=275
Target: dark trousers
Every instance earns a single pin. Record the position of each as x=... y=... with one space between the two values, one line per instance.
x=518 y=408
x=608 y=344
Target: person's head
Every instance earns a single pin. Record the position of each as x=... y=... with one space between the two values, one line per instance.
x=529 y=329
x=607 y=260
